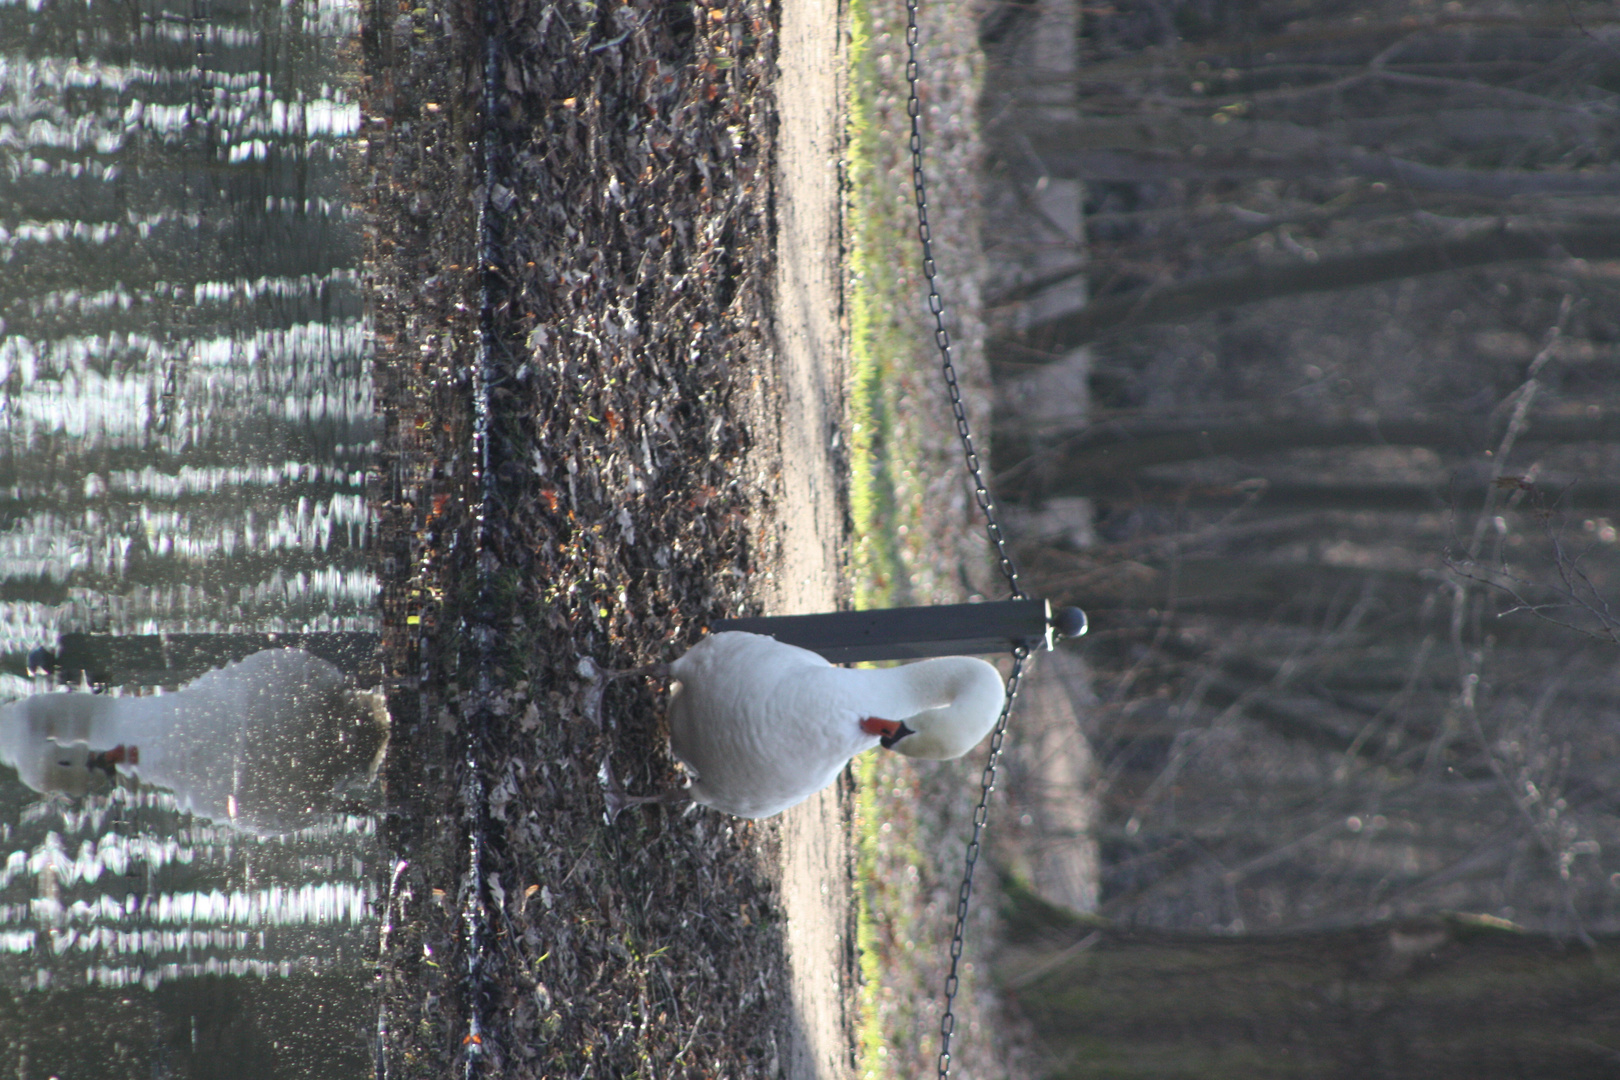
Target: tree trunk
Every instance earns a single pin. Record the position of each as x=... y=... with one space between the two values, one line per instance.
x=1280 y=143
x=1464 y=494
x=1125 y=166
x=1117 y=450
x=1189 y=299
x=1455 y=997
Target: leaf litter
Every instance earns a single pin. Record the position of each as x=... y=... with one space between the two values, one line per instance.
x=624 y=510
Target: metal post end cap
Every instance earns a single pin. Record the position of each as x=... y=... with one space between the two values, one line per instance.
x=1069 y=622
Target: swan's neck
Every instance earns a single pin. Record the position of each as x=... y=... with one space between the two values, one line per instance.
x=910 y=689
x=950 y=702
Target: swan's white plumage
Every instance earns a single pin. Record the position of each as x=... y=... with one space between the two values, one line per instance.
x=263 y=744
x=765 y=725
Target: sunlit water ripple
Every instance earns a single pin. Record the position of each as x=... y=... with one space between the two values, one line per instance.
x=186 y=431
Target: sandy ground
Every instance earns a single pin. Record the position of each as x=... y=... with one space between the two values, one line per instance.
x=811 y=345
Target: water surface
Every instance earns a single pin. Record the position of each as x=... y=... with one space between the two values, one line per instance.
x=186 y=426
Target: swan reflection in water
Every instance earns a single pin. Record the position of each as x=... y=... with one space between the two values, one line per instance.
x=266 y=744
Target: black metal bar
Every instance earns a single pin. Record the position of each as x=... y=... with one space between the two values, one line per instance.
x=172 y=659
x=914 y=633
x=843 y=637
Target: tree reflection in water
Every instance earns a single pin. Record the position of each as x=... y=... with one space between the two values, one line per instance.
x=186 y=430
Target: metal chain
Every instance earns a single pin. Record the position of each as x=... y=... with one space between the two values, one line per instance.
x=981 y=814
x=981 y=491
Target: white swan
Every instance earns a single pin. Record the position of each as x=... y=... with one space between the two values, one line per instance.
x=764 y=725
x=264 y=744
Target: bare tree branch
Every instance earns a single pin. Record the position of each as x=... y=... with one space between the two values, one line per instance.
x=1523 y=398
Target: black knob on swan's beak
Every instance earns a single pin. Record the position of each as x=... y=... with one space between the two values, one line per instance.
x=1069 y=622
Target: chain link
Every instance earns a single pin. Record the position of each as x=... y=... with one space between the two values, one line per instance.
x=981 y=491
x=981 y=815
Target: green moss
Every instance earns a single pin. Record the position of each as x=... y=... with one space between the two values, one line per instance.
x=877 y=343
x=1092 y=1060
x=1028 y=914
x=892 y=370
x=869 y=1039
x=877 y=347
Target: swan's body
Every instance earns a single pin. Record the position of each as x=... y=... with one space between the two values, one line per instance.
x=263 y=744
x=764 y=725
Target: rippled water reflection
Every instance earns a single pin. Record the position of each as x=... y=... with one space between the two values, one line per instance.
x=186 y=426
x=187 y=413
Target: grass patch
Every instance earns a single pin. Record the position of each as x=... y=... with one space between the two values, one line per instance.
x=882 y=238
x=877 y=344
x=905 y=466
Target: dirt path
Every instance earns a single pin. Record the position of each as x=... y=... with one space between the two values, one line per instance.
x=811 y=346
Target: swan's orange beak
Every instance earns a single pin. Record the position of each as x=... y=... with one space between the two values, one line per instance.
x=108 y=760
x=889 y=731
x=874 y=726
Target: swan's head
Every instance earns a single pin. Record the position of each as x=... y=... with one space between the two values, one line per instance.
x=46 y=739
x=970 y=693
